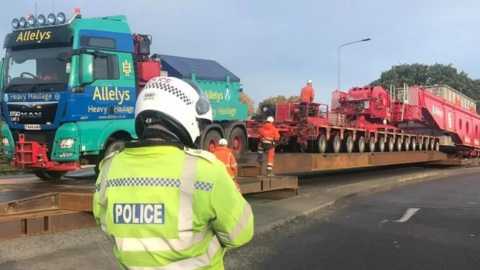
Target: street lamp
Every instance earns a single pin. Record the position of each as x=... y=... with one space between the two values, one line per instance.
x=358 y=41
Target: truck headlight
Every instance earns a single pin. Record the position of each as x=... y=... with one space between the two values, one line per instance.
x=5 y=142
x=66 y=143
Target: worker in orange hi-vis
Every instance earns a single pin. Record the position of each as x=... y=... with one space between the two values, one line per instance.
x=308 y=93
x=224 y=154
x=267 y=143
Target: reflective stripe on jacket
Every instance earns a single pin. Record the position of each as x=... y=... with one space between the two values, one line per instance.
x=307 y=94
x=168 y=208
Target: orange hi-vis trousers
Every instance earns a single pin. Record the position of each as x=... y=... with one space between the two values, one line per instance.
x=270 y=149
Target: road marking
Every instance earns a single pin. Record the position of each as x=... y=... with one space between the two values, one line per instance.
x=406 y=216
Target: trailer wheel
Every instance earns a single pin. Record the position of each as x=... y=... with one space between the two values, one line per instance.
x=437 y=146
x=406 y=144
x=398 y=144
x=432 y=144
x=321 y=144
x=49 y=175
x=390 y=144
x=371 y=145
x=360 y=145
x=427 y=144
x=420 y=144
x=348 y=144
x=335 y=144
x=211 y=140
x=381 y=144
x=414 y=144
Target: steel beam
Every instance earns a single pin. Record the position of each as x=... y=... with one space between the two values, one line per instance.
x=301 y=163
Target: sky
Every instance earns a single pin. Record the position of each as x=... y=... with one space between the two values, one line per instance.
x=276 y=46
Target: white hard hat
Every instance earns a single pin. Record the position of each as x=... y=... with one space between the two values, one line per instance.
x=270 y=119
x=309 y=81
x=175 y=104
x=223 y=142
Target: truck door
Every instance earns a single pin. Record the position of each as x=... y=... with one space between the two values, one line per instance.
x=111 y=95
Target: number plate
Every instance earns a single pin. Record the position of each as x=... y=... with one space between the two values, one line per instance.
x=32 y=127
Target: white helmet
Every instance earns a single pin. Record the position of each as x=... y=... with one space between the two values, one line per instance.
x=270 y=119
x=309 y=81
x=176 y=104
x=223 y=142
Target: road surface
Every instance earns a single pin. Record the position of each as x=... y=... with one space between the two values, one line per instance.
x=431 y=225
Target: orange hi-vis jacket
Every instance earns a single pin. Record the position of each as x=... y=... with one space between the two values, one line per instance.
x=225 y=155
x=307 y=94
x=269 y=133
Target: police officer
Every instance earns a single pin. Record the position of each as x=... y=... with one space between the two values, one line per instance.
x=164 y=205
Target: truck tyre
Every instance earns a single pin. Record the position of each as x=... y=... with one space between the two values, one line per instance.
x=335 y=144
x=348 y=144
x=371 y=145
x=437 y=146
x=432 y=144
x=427 y=144
x=237 y=141
x=360 y=144
x=398 y=144
x=49 y=175
x=414 y=144
x=322 y=144
x=406 y=144
x=390 y=144
x=211 y=140
x=117 y=145
x=381 y=144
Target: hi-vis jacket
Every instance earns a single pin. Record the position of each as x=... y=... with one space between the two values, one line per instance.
x=166 y=207
x=269 y=133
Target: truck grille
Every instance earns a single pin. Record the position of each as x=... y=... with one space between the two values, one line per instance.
x=41 y=137
x=32 y=114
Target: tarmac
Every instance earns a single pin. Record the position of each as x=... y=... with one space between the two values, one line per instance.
x=90 y=249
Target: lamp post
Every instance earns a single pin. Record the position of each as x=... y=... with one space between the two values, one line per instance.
x=358 y=41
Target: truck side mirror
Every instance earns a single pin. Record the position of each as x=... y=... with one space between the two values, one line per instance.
x=87 y=69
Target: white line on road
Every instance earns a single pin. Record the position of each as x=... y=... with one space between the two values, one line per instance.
x=406 y=216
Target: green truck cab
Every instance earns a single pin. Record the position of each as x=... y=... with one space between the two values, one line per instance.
x=69 y=89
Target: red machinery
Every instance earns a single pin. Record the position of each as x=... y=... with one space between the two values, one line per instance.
x=360 y=120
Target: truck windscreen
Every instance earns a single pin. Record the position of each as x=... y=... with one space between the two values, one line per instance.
x=35 y=70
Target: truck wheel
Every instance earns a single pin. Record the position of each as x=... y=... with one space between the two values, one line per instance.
x=414 y=144
x=427 y=144
x=237 y=141
x=117 y=145
x=348 y=144
x=335 y=144
x=432 y=144
x=381 y=144
x=360 y=145
x=437 y=146
x=398 y=144
x=390 y=144
x=406 y=144
x=371 y=145
x=322 y=144
x=49 y=175
x=211 y=140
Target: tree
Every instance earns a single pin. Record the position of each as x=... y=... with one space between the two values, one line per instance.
x=420 y=74
x=277 y=100
x=247 y=100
